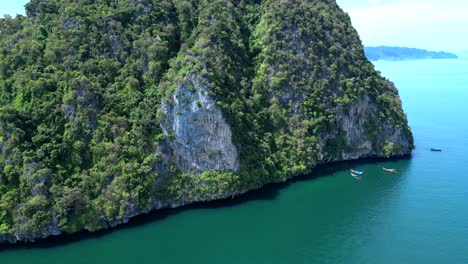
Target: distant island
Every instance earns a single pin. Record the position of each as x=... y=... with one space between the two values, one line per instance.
x=400 y=53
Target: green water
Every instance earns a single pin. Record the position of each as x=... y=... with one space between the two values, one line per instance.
x=417 y=216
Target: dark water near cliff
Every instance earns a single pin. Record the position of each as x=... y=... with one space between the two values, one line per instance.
x=417 y=216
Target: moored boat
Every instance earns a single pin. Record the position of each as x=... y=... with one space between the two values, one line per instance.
x=436 y=149
x=355 y=172
x=390 y=170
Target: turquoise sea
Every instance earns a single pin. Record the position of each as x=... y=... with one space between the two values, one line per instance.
x=419 y=215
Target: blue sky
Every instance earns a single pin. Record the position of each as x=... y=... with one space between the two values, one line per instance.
x=429 y=24
x=12 y=7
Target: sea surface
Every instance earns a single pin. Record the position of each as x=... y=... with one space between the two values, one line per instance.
x=419 y=215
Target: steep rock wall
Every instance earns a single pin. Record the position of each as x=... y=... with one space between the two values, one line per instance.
x=199 y=136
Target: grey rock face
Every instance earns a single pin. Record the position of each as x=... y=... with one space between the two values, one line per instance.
x=354 y=124
x=200 y=138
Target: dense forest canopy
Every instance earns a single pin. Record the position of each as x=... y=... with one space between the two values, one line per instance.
x=82 y=84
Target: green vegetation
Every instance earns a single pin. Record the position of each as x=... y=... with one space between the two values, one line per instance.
x=81 y=86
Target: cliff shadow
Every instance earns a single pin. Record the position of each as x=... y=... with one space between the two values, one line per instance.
x=268 y=192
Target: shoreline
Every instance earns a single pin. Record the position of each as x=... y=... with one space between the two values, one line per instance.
x=267 y=191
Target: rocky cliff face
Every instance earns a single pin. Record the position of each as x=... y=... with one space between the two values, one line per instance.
x=141 y=105
x=199 y=136
x=356 y=131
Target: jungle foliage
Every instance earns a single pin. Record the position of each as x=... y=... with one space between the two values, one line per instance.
x=81 y=84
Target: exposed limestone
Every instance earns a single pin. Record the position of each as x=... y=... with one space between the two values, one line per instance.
x=200 y=137
x=354 y=123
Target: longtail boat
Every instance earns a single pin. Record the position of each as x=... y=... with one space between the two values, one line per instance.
x=355 y=172
x=390 y=170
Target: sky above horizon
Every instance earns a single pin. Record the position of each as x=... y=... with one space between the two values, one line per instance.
x=427 y=24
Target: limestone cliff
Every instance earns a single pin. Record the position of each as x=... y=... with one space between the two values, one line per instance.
x=115 y=108
x=200 y=138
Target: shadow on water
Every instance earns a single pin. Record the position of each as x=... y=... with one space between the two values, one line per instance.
x=266 y=193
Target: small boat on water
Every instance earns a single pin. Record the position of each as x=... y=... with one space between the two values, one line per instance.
x=436 y=149
x=355 y=172
x=390 y=170
x=356 y=176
